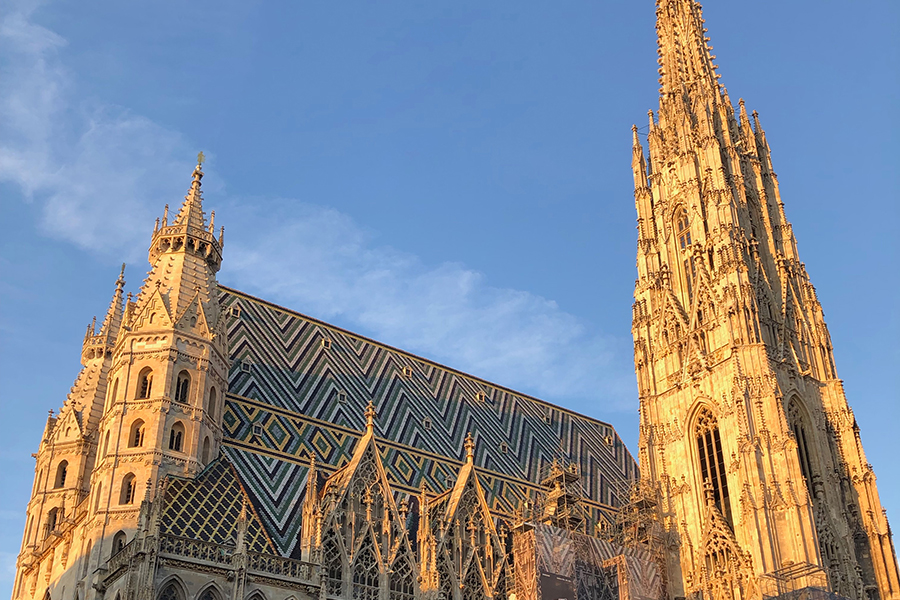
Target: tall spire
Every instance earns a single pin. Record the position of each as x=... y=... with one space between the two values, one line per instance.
x=685 y=57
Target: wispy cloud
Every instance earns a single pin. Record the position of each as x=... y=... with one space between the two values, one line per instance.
x=321 y=262
x=101 y=173
x=98 y=171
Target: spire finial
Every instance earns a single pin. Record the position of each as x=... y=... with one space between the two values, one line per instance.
x=370 y=417
x=635 y=142
x=470 y=448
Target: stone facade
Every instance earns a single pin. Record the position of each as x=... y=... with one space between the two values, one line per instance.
x=744 y=424
x=218 y=446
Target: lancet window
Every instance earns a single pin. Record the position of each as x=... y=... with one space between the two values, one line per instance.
x=145 y=383
x=683 y=234
x=712 y=461
x=804 y=451
x=402 y=584
x=136 y=438
x=171 y=592
x=176 y=437
x=126 y=495
x=366 y=572
x=183 y=387
x=332 y=564
x=61 y=472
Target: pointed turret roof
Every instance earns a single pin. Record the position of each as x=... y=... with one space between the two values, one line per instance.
x=191 y=214
x=185 y=257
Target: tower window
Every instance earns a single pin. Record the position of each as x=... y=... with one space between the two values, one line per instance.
x=176 y=437
x=126 y=495
x=206 y=450
x=61 y=472
x=52 y=521
x=712 y=461
x=213 y=403
x=119 y=542
x=145 y=383
x=112 y=396
x=183 y=387
x=136 y=436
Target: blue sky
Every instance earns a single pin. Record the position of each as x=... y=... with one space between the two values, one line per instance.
x=450 y=178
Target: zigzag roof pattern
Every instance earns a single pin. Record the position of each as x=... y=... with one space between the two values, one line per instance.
x=299 y=385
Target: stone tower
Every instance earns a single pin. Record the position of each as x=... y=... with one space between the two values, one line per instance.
x=147 y=403
x=744 y=423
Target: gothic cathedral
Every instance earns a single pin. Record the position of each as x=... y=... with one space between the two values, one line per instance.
x=217 y=446
x=745 y=427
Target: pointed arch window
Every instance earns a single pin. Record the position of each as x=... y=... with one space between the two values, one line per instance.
x=804 y=451
x=683 y=235
x=171 y=592
x=126 y=494
x=120 y=540
x=112 y=395
x=402 y=584
x=61 y=471
x=97 y=496
x=213 y=407
x=210 y=593
x=183 y=387
x=176 y=437
x=136 y=436
x=53 y=518
x=712 y=461
x=332 y=564
x=86 y=559
x=145 y=383
x=366 y=572
x=473 y=585
x=206 y=450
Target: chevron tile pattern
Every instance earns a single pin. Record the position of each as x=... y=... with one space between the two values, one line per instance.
x=298 y=385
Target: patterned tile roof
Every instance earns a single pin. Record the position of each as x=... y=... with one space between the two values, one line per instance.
x=298 y=385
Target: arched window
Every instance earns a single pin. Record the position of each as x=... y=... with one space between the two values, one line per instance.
x=210 y=593
x=53 y=516
x=182 y=387
x=473 y=585
x=206 y=450
x=86 y=560
x=171 y=592
x=126 y=496
x=712 y=461
x=402 y=585
x=97 y=497
x=106 y=444
x=683 y=234
x=119 y=542
x=136 y=436
x=61 y=472
x=176 y=437
x=804 y=451
x=213 y=406
x=111 y=399
x=145 y=383
x=332 y=564
x=366 y=572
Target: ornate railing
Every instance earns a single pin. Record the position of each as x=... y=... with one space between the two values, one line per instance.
x=287 y=568
x=120 y=559
x=196 y=549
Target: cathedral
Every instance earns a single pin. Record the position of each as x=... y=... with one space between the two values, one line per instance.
x=216 y=446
